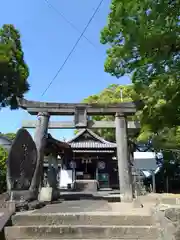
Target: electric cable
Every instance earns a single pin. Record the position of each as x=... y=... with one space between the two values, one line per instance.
x=73 y=48
x=67 y=21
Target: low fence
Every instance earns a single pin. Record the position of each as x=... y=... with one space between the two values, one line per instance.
x=4 y=196
x=7 y=209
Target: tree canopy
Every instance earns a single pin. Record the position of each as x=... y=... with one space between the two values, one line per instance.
x=164 y=139
x=114 y=93
x=144 y=40
x=3 y=158
x=13 y=69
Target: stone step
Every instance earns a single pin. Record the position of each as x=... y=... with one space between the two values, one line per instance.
x=91 y=196
x=81 y=232
x=81 y=219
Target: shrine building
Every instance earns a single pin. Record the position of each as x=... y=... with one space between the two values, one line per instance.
x=92 y=158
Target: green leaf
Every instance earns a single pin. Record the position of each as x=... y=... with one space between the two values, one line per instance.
x=144 y=40
x=13 y=69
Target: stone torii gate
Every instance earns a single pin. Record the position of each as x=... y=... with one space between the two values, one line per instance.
x=81 y=111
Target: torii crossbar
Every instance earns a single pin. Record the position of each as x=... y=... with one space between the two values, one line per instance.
x=34 y=108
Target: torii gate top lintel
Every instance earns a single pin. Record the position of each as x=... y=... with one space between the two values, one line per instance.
x=34 y=107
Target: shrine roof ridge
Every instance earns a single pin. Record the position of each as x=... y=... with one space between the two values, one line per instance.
x=102 y=144
x=81 y=132
x=59 y=143
x=34 y=107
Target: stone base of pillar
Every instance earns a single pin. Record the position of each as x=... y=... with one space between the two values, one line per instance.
x=45 y=194
x=48 y=194
x=137 y=203
x=25 y=195
x=126 y=198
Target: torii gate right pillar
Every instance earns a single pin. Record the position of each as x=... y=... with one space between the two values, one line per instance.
x=123 y=157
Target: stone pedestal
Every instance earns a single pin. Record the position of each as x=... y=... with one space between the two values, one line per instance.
x=85 y=185
x=26 y=195
x=45 y=194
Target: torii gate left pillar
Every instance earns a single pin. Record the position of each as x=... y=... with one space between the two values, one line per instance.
x=40 y=140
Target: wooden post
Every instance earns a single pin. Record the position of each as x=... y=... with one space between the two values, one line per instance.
x=97 y=172
x=167 y=184
x=153 y=181
x=73 y=171
x=124 y=169
x=40 y=140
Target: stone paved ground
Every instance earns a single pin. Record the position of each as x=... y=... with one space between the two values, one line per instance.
x=95 y=206
x=76 y=206
x=5 y=211
x=101 y=206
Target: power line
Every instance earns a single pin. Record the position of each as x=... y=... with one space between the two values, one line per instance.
x=66 y=20
x=75 y=45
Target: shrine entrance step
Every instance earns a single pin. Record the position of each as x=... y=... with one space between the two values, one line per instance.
x=84 y=220
x=105 y=195
x=85 y=185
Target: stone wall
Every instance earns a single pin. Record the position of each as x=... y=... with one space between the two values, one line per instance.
x=168 y=221
x=5 y=220
x=5 y=213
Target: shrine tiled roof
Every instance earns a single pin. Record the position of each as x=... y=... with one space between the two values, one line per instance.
x=86 y=139
x=93 y=150
x=89 y=144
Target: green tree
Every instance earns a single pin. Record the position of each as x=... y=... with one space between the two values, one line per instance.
x=13 y=69
x=166 y=138
x=3 y=158
x=144 y=40
x=114 y=93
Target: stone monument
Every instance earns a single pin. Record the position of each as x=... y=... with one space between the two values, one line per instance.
x=21 y=165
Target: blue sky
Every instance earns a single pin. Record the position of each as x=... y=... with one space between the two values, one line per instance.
x=47 y=40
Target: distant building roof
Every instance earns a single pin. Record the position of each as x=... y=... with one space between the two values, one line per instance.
x=5 y=142
x=87 y=139
x=57 y=146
